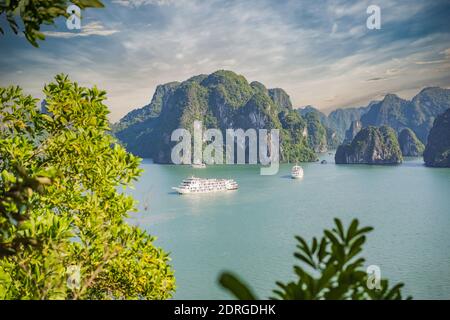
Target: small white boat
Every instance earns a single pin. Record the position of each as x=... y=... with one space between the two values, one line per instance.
x=198 y=165
x=297 y=172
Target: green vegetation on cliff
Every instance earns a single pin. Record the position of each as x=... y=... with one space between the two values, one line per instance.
x=409 y=144
x=317 y=133
x=371 y=145
x=281 y=99
x=294 y=142
x=225 y=100
x=321 y=136
x=437 y=151
x=222 y=100
x=152 y=110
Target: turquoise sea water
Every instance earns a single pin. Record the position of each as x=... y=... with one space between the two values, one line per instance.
x=251 y=231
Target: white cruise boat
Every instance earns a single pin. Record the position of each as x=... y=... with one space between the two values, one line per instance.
x=198 y=165
x=199 y=185
x=297 y=172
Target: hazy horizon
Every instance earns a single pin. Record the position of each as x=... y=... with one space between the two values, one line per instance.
x=404 y=95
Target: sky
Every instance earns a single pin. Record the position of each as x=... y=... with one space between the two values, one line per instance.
x=320 y=52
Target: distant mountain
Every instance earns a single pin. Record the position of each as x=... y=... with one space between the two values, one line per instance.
x=437 y=151
x=337 y=122
x=417 y=114
x=303 y=111
x=220 y=100
x=372 y=145
x=341 y=119
x=354 y=129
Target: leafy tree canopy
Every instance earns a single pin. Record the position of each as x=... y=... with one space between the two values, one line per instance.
x=61 y=206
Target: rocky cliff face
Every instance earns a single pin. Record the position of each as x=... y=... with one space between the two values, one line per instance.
x=317 y=133
x=333 y=139
x=409 y=144
x=341 y=119
x=304 y=111
x=371 y=145
x=354 y=129
x=222 y=100
x=281 y=99
x=437 y=151
x=321 y=133
x=152 y=110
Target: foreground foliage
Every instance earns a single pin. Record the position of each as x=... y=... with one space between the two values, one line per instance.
x=62 y=225
x=331 y=269
x=34 y=13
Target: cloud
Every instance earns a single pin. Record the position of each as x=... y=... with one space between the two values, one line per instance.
x=320 y=52
x=334 y=29
x=376 y=79
x=138 y=3
x=430 y=62
x=91 y=29
x=446 y=52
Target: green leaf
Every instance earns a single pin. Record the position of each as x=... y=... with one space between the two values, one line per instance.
x=356 y=247
x=305 y=259
x=303 y=246
x=322 y=249
x=33 y=16
x=352 y=230
x=340 y=228
x=363 y=231
x=232 y=283
x=332 y=238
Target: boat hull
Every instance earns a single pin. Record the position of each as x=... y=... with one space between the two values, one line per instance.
x=198 y=166
x=184 y=191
